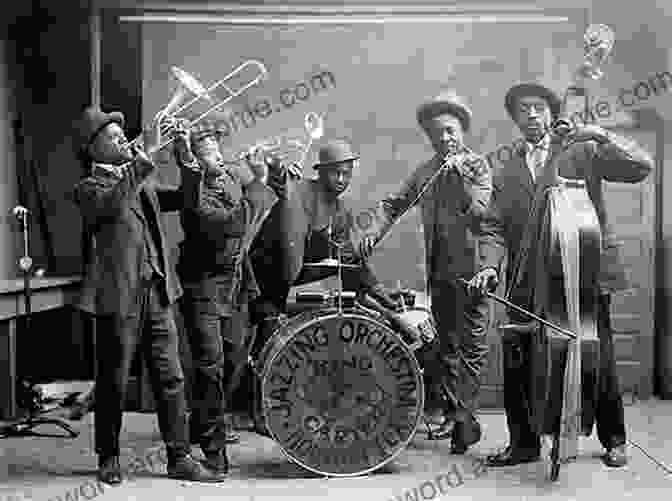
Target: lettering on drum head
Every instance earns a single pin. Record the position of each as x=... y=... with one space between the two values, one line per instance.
x=342 y=395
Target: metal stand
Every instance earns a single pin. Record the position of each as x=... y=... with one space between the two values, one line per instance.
x=25 y=426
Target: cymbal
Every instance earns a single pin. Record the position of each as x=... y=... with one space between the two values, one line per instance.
x=330 y=263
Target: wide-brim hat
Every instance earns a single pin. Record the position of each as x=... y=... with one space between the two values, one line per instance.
x=335 y=152
x=447 y=102
x=532 y=89
x=94 y=120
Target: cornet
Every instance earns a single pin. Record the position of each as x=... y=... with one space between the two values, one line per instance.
x=169 y=116
x=313 y=125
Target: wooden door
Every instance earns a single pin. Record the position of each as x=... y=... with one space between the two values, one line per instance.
x=631 y=212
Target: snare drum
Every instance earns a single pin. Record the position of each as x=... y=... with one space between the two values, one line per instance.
x=342 y=394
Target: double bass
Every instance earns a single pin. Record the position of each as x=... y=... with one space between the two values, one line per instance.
x=555 y=277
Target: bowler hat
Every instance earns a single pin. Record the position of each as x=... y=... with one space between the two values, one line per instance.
x=532 y=89
x=92 y=122
x=335 y=152
x=446 y=103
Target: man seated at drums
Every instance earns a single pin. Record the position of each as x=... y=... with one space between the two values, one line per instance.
x=593 y=155
x=301 y=229
x=459 y=243
x=216 y=274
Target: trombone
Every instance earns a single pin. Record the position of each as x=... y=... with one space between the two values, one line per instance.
x=168 y=117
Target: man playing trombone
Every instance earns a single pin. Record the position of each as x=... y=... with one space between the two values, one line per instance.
x=459 y=244
x=132 y=287
x=216 y=273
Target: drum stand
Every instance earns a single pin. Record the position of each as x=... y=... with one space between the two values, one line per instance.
x=24 y=427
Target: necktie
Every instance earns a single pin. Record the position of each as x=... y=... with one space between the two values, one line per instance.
x=536 y=160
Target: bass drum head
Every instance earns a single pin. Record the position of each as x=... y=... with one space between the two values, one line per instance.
x=342 y=394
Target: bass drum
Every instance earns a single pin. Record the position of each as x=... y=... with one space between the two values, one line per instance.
x=342 y=394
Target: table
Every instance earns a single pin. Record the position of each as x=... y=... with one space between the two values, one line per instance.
x=48 y=293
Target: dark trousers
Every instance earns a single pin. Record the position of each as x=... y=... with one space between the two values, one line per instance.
x=608 y=413
x=211 y=354
x=152 y=329
x=460 y=357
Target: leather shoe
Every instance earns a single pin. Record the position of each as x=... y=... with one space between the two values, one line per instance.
x=616 y=457
x=109 y=470
x=231 y=437
x=187 y=468
x=217 y=461
x=465 y=435
x=511 y=457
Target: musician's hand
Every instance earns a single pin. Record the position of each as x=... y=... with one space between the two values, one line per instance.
x=588 y=132
x=471 y=166
x=256 y=161
x=151 y=137
x=144 y=165
x=294 y=171
x=394 y=206
x=182 y=144
x=366 y=246
x=483 y=282
x=277 y=176
x=378 y=293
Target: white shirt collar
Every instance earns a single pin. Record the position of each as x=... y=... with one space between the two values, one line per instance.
x=542 y=148
x=115 y=170
x=543 y=144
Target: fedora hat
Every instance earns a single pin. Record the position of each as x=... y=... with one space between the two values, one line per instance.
x=335 y=152
x=532 y=89
x=447 y=102
x=94 y=120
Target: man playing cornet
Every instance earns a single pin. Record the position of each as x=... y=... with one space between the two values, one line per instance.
x=216 y=273
x=132 y=287
x=458 y=244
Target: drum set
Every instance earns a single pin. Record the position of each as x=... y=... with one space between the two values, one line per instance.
x=342 y=391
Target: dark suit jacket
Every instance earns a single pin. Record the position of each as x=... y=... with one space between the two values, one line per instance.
x=617 y=160
x=214 y=261
x=111 y=214
x=453 y=211
x=279 y=251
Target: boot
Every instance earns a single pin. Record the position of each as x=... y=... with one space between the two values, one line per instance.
x=216 y=461
x=182 y=466
x=109 y=470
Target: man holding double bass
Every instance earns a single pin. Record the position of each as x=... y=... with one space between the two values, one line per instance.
x=536 y=278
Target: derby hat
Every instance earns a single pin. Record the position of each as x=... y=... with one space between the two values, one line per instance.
x=92 y=122
x=532 y=89
x=335 y=152
x=447 y=102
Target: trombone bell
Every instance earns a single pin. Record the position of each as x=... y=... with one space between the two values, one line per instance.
x=188 y=87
